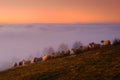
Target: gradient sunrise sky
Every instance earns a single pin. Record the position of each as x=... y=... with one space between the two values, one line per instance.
x=59 y=11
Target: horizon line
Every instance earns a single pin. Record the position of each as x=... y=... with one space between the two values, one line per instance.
x=60 y=23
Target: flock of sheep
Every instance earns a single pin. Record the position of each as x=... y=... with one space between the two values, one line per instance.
x=64 y=53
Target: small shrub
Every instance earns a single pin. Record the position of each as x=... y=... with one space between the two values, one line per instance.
x=116 y=42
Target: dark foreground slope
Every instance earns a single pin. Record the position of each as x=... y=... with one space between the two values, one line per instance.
x=100 y=64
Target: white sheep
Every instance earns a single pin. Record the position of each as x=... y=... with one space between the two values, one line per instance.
x=105 y=42
x=46 y=57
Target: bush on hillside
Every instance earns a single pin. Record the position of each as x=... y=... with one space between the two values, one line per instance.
x=116 y=42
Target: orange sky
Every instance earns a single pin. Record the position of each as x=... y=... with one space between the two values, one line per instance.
x=59 y=11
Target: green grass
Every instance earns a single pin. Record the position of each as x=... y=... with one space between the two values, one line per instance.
x=100 y=64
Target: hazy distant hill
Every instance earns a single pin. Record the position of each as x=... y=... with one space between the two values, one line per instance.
x=100 y=64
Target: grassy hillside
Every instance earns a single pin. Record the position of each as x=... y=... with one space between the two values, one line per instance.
x=100 y=64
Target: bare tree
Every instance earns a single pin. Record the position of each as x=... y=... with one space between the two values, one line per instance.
x=48 y=50
x=63 y=47
x=77 y=45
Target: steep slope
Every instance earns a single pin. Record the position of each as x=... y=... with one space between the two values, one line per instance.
x=100 y=64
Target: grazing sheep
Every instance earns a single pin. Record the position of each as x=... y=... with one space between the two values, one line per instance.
x=76 y=51
x=84 y=48
x=98 y=45
x=105 y=42
x=27 y=62
x=22 y=63
x=59 y=54
x=46 y=57
x=40 y=59
x=66 y=52
x=35 y=59
x=92 y=45
x=15 y=65
x=73 y=51
x=53 y=55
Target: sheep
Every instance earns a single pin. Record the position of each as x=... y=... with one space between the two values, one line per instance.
x=59 y=54
x=46 y=57
x=54 y=55
x=84 y=48
x=73 y=51
x=76 y=51
x=22 y=63
x=27 y=62
x=105 y=43
x=40 y=59
x=35 y=59
x=98 y=45
x=15 y=65
x=92 y=45
x=66 y=52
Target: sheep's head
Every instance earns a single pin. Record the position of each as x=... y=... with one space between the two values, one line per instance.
x=102 y=41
